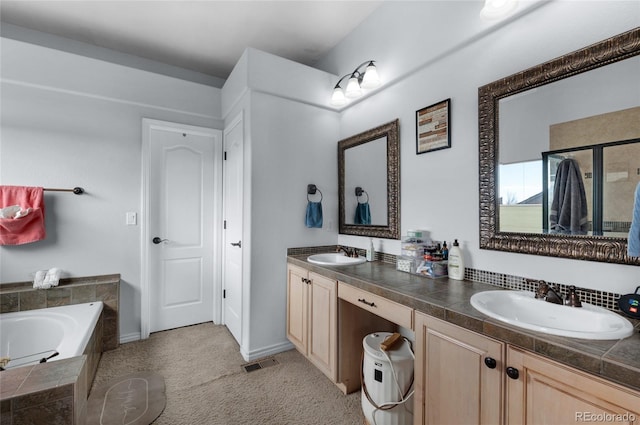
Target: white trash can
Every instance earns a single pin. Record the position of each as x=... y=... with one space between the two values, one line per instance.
x=384 y=404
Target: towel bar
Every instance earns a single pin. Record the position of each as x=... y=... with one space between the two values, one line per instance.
x=75 y=190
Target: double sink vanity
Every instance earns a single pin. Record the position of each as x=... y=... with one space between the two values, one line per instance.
x=483 y=354
x=469 y=367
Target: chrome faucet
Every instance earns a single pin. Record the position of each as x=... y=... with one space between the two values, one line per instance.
x=552 y=295
x=349 y=252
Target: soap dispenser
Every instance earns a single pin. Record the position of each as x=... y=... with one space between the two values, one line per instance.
x=456 y=262
x=371 y=253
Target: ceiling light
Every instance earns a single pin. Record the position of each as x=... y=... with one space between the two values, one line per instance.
x=358 y=80
x=494 y=9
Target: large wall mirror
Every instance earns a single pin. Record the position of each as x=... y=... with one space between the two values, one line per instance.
x=560 y=154
x=369 y=183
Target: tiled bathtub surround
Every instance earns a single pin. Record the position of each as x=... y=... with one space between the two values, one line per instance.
x=608 y=300
x=52 y=393
x=21 y=296
x=56 y=392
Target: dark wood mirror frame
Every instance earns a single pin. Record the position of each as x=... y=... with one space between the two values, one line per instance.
x=392 y=229
x=592 y=248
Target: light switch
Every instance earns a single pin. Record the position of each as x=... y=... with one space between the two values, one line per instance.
x=132 y=219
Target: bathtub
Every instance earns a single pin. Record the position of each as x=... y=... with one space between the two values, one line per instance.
x=27 y=337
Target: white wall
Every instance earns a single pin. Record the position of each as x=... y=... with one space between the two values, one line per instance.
x=289 y=143
x=439 y=190
x=72 y=121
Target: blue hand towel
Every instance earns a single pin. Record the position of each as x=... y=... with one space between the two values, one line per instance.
x=314 y=214
x=363 y=214
x=633 y=246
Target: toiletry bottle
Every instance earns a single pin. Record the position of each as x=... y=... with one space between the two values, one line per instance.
x=370 y=251
x=445 y=251
x=456 y=262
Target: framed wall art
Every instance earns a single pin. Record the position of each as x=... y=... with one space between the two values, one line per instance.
x=432 y=127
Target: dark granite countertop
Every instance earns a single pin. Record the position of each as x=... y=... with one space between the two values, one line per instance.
x=449 y=300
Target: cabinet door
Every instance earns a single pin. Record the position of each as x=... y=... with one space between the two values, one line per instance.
x=322 y=349
x=547 y=392
x=459 y=375
x=297 y=307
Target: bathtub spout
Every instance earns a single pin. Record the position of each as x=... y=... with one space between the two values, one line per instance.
x=44 y=359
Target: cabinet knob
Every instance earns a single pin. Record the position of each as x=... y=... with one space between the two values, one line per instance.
x=513 y=373
x=490 y=362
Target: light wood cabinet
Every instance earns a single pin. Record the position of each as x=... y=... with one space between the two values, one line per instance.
x=312 y=317
x=547 y=392
x=463 y=377
x=381 y=307
x=459 y=376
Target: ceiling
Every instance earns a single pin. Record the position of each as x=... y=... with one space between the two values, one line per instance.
x=206 y=36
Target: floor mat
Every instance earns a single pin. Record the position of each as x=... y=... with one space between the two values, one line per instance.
x=133 y=399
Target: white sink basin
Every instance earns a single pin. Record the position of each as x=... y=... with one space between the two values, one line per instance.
x=520 y=308
x=335 y=259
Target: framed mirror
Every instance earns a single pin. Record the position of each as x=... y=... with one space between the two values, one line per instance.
x=369 y=183
x=505 y=135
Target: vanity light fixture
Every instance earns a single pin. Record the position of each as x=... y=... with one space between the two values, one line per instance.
x=358 y=80
x=494 y=9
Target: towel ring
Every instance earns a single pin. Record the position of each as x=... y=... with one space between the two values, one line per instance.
x=311 y=190
x=359 y=192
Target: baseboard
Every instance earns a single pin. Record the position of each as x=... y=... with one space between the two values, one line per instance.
x=135 y=336
x=266 y=351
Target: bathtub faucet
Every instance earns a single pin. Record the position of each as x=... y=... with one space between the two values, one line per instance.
x=44 y=359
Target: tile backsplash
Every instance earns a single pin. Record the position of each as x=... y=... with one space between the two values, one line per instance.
x=608 y=300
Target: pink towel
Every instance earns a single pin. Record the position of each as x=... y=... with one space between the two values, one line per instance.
x=27 y=228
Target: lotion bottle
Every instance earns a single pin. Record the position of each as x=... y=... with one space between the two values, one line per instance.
x=456 y=262
x=371 y=253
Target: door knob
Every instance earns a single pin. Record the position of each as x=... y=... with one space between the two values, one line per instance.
x=238 y=244
x=158 y=240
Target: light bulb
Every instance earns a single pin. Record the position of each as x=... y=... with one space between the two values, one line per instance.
x=371 y=80
x=338 y=99
x=353 y=88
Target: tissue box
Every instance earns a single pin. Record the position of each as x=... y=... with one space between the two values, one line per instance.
x=406 y=264
x=432 y=268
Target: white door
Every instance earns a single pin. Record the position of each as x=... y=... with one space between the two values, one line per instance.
x=182 y=205
x=232 y=278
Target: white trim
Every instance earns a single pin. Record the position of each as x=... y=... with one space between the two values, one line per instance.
x=266 y=351
x=237 y=120
x=147 y=125
x=100 y=97
x=132 y=337
x=145 y=317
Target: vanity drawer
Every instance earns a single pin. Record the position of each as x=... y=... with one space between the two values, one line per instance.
x=387 y=309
